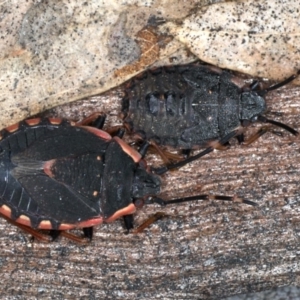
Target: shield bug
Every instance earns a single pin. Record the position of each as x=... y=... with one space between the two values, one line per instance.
x=192 y=106
x=56 y=175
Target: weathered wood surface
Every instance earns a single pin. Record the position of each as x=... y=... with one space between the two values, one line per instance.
x=205 y=250
x=285 y=292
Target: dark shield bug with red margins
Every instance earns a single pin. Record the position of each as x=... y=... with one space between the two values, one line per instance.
x=192 y=106
x=56 y=175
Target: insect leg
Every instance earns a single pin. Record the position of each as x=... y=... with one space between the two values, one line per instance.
x=88 y=232
x=128 y=220
x=119 y=132
x=35 y=233
x=186 y=152
x=46 y=237
x=166 y=156
x=214 y=145
x=115 y=131
x=75 y=238
x=54 y=234
x=149 y=221
x=162 y=202
x=50 y=236
x=240 y=138
x=96 y=120
x=144 y=149
x=256 y=135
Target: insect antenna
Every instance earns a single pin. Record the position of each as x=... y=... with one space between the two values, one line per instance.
x=279 y=124
x=271 y=88
x=277 y=85
x=163 y=202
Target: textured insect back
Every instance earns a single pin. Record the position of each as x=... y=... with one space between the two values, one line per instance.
x=194 y=106
x=155 y=105
x=200 y=105
x=201 y=113
x=56 y=176
x=228 y=105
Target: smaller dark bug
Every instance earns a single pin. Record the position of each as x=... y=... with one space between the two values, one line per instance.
x=56 y=175
x=192 y=106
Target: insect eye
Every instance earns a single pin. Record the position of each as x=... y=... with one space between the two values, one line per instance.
x=138 y=203
x=143 y=164
x=254 y=119
x=246 y=123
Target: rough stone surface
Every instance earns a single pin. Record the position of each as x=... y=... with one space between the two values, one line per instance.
x=260 y=38
x=57 y=52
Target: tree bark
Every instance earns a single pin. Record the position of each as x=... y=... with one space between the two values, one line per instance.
x=202 y=250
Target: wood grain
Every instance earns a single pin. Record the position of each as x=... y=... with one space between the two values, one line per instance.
x=204 y=250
